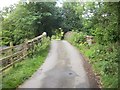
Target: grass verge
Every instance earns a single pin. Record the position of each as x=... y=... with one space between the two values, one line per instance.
x=103 y=58
x=104 y=61
x=23 y=70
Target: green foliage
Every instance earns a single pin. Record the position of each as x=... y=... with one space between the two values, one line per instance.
x=58 y=34
x=29 y=21
x=107 y=55
x=24 y=69
x=76 y=37
x=72 y=16
x=105 y=23
x=104 y=60
x=45 y=42
x=99 y=19
x=36 y=49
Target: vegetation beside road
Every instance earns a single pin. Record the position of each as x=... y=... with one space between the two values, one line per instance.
x=24 y=69
x=102 y=23
x=104 y=62
x=98 y=19
x=104 y=59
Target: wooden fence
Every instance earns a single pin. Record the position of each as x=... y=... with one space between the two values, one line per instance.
x=14 y=54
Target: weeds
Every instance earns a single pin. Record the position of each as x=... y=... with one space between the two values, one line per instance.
x=104 y=60
x=24 y=69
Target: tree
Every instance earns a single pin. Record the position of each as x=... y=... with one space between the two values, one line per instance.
x=30 y=20
x=72 y=17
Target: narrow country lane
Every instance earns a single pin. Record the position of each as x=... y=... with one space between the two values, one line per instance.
x=63 y=68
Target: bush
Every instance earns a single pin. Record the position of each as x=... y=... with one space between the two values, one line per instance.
x=23 y=70
x=75 y=37
x=58 y=34
x=45 y=41
x=104 y=60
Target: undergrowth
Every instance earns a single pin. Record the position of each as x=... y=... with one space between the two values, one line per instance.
x=105 y=63
x=24 y=69
x=103 y=58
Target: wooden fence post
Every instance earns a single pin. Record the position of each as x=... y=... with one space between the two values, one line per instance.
x=11 y=51
x=33 y=50
x=25 y=48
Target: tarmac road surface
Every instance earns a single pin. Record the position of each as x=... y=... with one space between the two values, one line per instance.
x=63 y=68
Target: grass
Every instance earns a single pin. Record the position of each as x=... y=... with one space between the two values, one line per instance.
x=23 y=70
x=113 y=81
x=103 y=58
x=103 y=62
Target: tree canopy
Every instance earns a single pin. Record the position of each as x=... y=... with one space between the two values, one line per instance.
x=99 y=19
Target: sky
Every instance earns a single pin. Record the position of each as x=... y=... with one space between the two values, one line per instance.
x=59 y=3
x=4 y=3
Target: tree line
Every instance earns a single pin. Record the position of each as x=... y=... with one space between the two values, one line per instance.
x=29 y=20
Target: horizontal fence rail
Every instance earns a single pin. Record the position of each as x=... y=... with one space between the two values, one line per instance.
x=14 y=54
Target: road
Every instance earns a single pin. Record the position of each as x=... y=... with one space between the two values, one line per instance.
x=63 y=68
